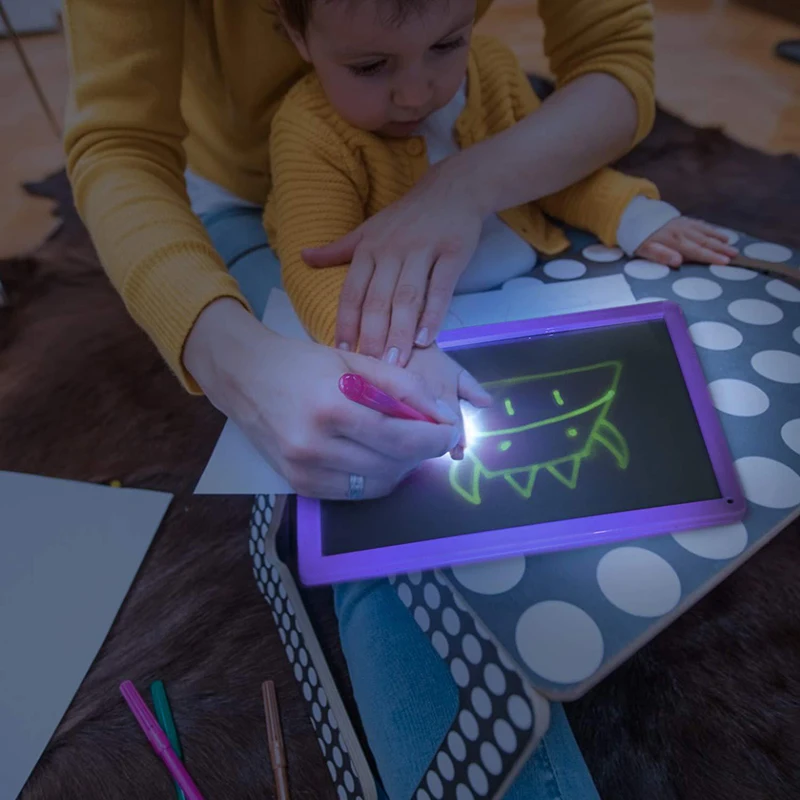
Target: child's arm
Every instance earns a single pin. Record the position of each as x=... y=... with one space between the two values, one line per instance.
x=318 y=193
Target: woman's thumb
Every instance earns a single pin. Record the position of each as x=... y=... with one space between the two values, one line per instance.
x=334 y=254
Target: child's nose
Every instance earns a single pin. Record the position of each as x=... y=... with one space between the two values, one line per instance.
x=413 y=91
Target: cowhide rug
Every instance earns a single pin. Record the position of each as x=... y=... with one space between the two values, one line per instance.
x=710 y=709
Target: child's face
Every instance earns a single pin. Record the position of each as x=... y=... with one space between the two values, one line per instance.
x=383 y=76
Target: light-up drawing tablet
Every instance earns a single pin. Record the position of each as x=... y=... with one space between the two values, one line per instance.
x=602 y=429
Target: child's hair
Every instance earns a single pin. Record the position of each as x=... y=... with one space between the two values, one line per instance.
x=297 y=13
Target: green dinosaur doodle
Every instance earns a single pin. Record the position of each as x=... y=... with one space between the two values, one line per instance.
x=562 y=418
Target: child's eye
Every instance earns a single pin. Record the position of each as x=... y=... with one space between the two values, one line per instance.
x=447 y=47
x=365 y=70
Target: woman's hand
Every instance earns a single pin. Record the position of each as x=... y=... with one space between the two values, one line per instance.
x=684 y=239
x=405 y=263
x=283 y=393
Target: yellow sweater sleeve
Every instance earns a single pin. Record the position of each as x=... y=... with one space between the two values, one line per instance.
x=125 y=162
x=609 y=36
x=318 y=195
x=596 y=203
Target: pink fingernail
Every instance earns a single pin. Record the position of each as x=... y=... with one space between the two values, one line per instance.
x=422 y=338
x=392 y=355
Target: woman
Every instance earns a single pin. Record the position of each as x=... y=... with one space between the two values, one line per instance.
x=159 y=85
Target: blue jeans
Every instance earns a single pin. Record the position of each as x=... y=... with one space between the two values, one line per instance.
x=405 y=694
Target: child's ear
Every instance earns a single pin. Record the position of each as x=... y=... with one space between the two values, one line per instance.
x=296 y=38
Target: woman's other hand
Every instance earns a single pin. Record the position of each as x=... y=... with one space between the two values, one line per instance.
x=283 y=393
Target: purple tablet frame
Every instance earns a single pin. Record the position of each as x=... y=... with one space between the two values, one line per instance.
x=315 y=568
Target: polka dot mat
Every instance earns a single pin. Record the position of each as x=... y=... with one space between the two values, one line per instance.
x=499 y=719
x=567 y=618
x=324 y=720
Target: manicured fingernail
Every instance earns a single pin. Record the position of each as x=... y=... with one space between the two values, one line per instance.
x=457 y=453
x=422 y=338
x=344 y=346
x=446 y=413
x=392 y=356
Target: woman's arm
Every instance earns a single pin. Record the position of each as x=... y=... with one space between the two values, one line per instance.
x=125 y=161
x=602 y=56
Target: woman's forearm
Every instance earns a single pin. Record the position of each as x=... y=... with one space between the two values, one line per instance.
x=578 y=129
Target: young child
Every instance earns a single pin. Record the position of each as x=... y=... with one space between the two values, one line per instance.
x=398 y=85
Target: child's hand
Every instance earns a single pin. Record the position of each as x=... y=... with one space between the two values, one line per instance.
x=449 y=381
x=683 y=239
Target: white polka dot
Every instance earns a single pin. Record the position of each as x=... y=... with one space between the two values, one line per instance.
x=715 y=335
x=282 y=592
x=342 y=793
x=504 y=736
x=738 y=398
x=290 y=653
x=326 y=733
x=432 y=596
x=317 y=712
x=559 y=641
x=481 y=702
x=783 y=291
x=303 y=657
x=440 y=644
x=422 y=618
x=462 y=793
x=264 y=574
x=602 y=254
x=733 y=237
x=312 y=676
x=295 y=639
x=307 y=692
x=472 y=648
x=755 y=312
x=777 y=365
x=286 y=622
x=451 y=622
x=491 y=577
x=415 y=578
x=271 y=590
x=435 y=785
x=423 y=795
x=766 y=251
x=337 y=757
x=348 y=781
x=468 y=724
x=332 y=770
x=457 y=746
x=322 y=697
x=477 y=779
x=768 y=483
x=565 y=269
x=278 y=605
x=491 y=758
x=646 y=270
x=445 y=765
x=495 y=679
x=796 y=335
x=404 y=593
x=732 y=273
x=721 y=542
x=638 y=581
x=696 y=289
x=790 y=433
x=298 y=672
x=520 y=712
x=460 y=672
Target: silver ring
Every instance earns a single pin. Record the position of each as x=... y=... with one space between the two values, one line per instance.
x=356 y=490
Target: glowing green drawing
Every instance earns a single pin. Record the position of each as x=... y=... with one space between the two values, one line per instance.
x=560 y=408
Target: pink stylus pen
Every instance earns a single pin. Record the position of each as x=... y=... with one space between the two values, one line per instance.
x=361 y=391
x=158 y=740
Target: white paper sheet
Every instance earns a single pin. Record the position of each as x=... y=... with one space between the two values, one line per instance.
x=69 y=554
x=236 y=467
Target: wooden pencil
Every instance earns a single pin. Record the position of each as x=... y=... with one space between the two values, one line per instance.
x=277 y=752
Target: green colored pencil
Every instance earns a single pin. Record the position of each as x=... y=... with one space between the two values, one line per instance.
x=165 y=720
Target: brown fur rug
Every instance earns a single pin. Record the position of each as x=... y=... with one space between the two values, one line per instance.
x=710 y=709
